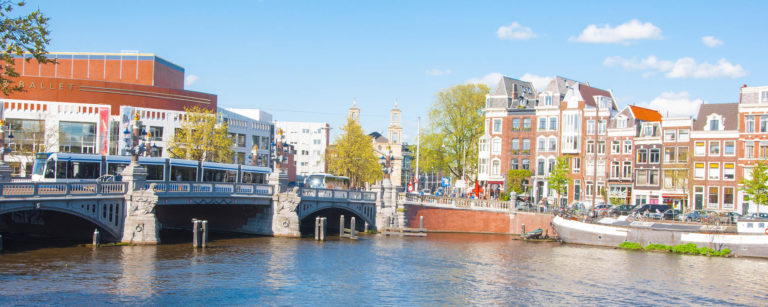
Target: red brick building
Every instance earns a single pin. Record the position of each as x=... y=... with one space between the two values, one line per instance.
x=714 y=137
x=753 y=138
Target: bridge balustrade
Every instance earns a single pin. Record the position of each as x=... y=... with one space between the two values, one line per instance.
x=44 y=189
x=210 y=188
x=338 y=194
x=464 y=203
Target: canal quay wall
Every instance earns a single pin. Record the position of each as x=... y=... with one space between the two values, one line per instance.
x=476 y=220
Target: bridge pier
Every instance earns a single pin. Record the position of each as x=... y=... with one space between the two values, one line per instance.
x=140 y=225
x=285 y=218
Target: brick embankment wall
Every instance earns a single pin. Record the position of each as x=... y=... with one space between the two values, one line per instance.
x=460 y=220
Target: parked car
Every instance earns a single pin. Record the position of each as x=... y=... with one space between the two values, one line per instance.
x=648 y=210
x=761 y=215
x=602 y=209
x=620 y=210
x=694 y=216
x=732 y=217
x=672 y=214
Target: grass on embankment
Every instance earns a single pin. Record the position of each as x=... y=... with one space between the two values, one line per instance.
x=686 y=249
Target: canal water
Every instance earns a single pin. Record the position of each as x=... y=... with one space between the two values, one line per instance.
x=441 y=269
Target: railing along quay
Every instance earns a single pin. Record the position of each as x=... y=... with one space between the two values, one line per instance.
x=197 y=188
x=337 y=194
x=54 y=189
x=461 y=203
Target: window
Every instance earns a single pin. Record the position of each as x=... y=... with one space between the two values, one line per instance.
x=552 y=144
x=763 y=150
x=714 y=124
x=515 y=124
x=577 y=190
x=526 y=164
x=589 y=188
x=764 y=123
x=698 y=172
x=553 y=123
x=601 y=147
x=576 y=165
x=763 y=96
x=590 y=146
x=542 y=144
x=714 y=171
x=495 y=167
x=551 y=165
x=713 y=197
x=699 y=148
x=590 y=127
x=515 y=146
x=669 y=154
x=683 y=135
x=497 y=125
x=542 y=124
x=496 y=146
x=526 y=124
x=749 y=124
x=682 y=154
x=642 y=156
x=156 y=132
x=547 y=100
x=615 y=169
x=483 y=145
x=316 y=141
x=648 y=130
x=627 y=147
x=728 y=197
x=729 y=148
x=653 y=176
x=601 y=127
x=627 y=170
x=615 y=147
x=642 y=177
x=655 y=155
x=669 y=179
x=77 y=137
x=483 y=166
x=540 y=167
x=621 y=122
x=513 y=164
x=669 y=135
x=749 y=150
x=714 y=148
x=729 y=171
x=526 y=146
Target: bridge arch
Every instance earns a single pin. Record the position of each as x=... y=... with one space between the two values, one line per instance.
x=107 y=215
x=366 y=211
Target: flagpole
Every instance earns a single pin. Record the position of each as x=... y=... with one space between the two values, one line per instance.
x=418 y=145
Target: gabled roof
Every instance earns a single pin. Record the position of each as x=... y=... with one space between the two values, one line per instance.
x=588 y=93
x=378 y=137
x=560 y=85
x=729 y=112
x=506 y=87
x=644 y=114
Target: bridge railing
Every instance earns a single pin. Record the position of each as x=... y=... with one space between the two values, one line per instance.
x=465 y=203
x=197 y=188
x=337 y=194
x=48 y=189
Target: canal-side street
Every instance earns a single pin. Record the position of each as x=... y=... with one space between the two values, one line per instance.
x=441 y=269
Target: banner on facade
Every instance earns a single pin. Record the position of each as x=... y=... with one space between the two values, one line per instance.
x=125 y=123
x=103 y=133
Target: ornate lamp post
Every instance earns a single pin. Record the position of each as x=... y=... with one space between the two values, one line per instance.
x=135 y=139
x=5 y=142
x=386 y=166
x=279 y=176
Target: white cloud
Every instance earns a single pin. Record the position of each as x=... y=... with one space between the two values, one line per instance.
x=623 y=33
x=681 y=68
x=674 y=104
x=438 y=72
x=491 y=79
x=515 y=31
x=191 y=79
x=711 y=41
x=539 y=82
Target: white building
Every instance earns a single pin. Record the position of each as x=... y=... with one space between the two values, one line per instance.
x=310 y=140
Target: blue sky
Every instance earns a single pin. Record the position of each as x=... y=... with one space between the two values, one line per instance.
x=307 y=60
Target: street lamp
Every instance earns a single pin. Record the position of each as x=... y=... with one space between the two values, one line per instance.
x=135 y=139
x=463 y=166
x=386 y=163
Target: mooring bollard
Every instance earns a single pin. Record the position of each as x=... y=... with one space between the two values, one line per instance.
x=523 y=231
x=352 y=227
x=317 y=228
x=341 y=226
x=204 y=235
x=323 y=223
x=96 y=238
x=421 y=223
x=195 y=232
x=365 y=227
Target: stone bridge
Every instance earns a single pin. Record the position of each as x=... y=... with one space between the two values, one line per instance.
x=131 y=211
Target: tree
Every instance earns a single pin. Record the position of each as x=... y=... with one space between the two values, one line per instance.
x=757 y=186
x=20 y=34
x=353 y=156
x=455 y=126
x=558 y=179
x=201 y=138
x=515 y=179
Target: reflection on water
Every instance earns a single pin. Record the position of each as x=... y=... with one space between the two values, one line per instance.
x=452 y=269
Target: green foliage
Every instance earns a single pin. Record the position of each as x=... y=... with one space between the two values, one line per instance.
x=617 y=201
x=630 y=245
x=658 y=247
x=689 y=248
x=504 y=197
x=558 y=179
x=757 y=186
x=455 y=127
x=353 y=156
x=201 y=138
x=20 y=34
x=515 y=179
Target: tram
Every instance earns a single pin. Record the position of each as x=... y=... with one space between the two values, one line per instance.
x=58 y=166
x=327 y=181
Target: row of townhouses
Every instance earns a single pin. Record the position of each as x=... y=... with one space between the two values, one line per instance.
x=631 y=155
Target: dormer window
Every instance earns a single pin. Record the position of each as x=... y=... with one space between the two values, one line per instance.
x=621 y=122
x=763 y=96
x=603 y=102
x=715 y=122
x=648 y=130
